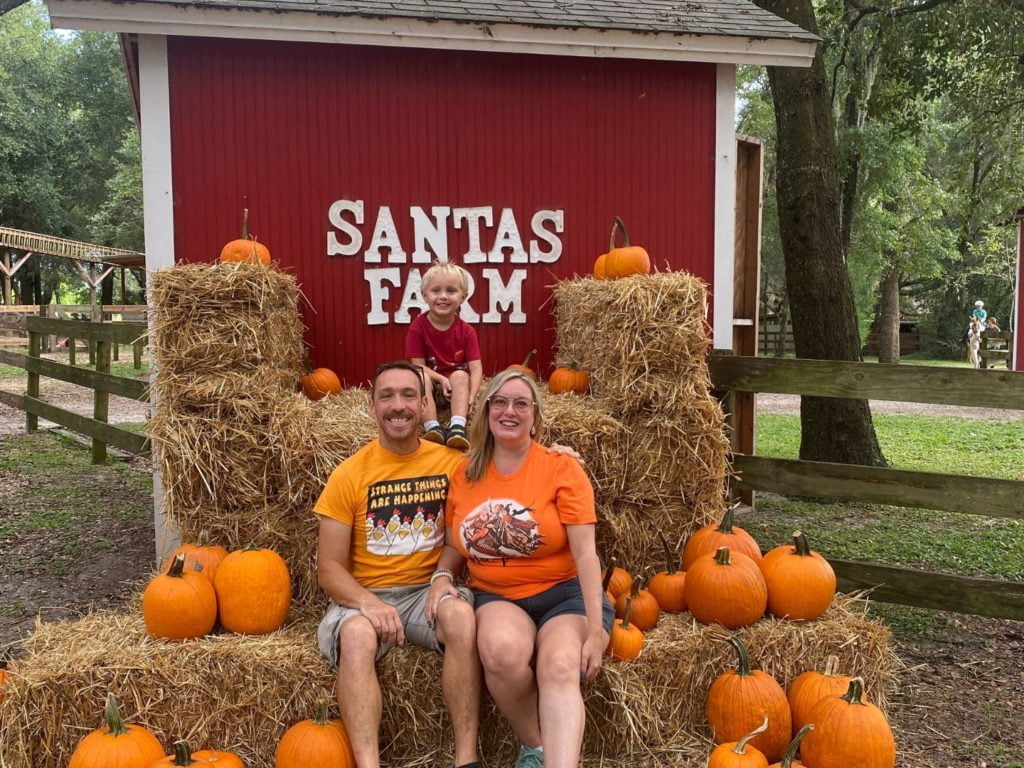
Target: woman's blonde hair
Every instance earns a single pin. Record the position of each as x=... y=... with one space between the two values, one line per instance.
x=439 y=268
x=481 y=441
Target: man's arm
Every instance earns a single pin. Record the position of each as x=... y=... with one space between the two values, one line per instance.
x=333 y=562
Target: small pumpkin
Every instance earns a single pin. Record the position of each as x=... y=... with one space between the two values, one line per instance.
x=801 y=583
x=316 y=743
x=739 y=754
x=617 y=581
x=524 y=367
x=789 y=756
x=254 y=590
x=808 y=688
x=741 y=698
x=179 y=604
x=669 y=586
x=625 y=260
x=725 y=534
x=3 y=675
x=567 y=379
x=203 y=556
x=726 y=588
x=245 y=249
x=184 y=756
x=849 y=731
x=626 y=640
x=319 y=383
x=126 y=746
x=599 y=272
x=645 y=608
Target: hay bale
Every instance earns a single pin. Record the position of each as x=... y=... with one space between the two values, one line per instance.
x=241 y=693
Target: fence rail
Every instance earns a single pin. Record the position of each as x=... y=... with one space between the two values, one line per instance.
x=952 y=493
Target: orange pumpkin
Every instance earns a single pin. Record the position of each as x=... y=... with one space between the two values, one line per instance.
x=179 y=604
x=254 y=590
x=567 y=379
x=184 y=756
x=524 y=367
x=669 y=586
x=3 y=676
x=320 y=382
x=599 y=272
x=801 y=583
x=789 y=757
x=808 y=688
x=316 y=743
x=726 y=588
x=616 y=581
x=625 y=260
x=725 y=534
x=645 y=608
x=739 y=699
x=126 y=746
x=626 y=640
x=739 y=754
x=245 y=249
x=202 y=556
x=849 y=731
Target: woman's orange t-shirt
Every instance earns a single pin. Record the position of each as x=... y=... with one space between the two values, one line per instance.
x=511 y=528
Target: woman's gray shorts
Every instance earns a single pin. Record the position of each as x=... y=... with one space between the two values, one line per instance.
x=411 y=604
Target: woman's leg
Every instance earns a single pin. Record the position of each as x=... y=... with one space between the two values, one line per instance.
x=559 y=650
x=505 y=637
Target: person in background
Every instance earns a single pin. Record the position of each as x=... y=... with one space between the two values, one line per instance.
x=446 y=348
x=980 y=313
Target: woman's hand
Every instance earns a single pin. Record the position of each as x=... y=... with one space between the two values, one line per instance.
x=441 y=589
x=592 y=654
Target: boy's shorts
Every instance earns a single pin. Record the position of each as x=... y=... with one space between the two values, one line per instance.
x=564 y=598
x=409 y=601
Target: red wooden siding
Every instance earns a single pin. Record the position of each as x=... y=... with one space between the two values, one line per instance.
x=286 y=129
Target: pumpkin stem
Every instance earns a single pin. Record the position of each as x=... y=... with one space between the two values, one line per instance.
x=608 y=573
x=251 y=547
x=629 y=612
x=726 y=525
x=112 y=714
x=741 y=745
x=529 y=356
x=320 y=718
x=182 y=753
x=743 y=666
x=790 y=754
x=832 y=666
x=855 y=693
x=670 y=559
x=800 y=544
x=177 y=567
x=722 y=556
x=245 y=223
x=617 y=224
x=203 y=540
x=634 y=591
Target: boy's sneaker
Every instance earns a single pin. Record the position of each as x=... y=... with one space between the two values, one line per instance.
x=434 y=435
x=530 y=757
x=457 y=437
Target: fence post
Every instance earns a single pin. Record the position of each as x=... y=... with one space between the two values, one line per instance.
x=101 y=401
x=71 y=352
x=137 y=354
x=31 y=420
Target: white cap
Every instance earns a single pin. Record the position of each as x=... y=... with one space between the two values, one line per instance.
x=979 y=303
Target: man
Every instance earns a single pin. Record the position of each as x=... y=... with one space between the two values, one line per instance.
x=380 y=543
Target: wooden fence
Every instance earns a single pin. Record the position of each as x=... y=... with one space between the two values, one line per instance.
x=842 y=482
x=14 y=333
x=103 y=335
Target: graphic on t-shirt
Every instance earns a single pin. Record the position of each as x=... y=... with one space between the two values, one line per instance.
x=406 y=516
x=500 y=529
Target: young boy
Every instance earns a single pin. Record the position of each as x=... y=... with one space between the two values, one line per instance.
x=446 y=349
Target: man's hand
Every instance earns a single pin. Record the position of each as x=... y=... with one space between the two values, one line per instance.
x=384 y=620
x=564 y=450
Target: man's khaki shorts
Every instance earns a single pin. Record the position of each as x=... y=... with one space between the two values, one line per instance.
x=411 y=604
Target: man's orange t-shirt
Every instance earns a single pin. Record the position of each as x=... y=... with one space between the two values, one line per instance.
x=511 y=528
x=396 y=507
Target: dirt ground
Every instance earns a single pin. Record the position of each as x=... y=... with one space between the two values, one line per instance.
x=959 y=701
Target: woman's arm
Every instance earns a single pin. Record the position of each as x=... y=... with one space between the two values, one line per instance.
x=442 y=585
x=584 y=552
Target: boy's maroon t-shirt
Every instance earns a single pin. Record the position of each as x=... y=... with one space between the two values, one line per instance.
x=443 y=351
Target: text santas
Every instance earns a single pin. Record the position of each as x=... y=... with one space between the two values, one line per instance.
x=493 y=236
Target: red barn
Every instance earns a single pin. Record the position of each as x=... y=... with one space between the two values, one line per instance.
x=368 y=138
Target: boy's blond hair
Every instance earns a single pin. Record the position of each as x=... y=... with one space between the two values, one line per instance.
x=446 y=268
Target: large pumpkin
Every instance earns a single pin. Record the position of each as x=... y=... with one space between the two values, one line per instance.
x=316 y=743
x=254 y=590
x=849 y=731
x=626 y=640
x=179 y=604
x=524 y=367
x=669 y=586
x=801 y=583
x=567 y=379
x=739 y=754
x=789 y=756
x=203 y=556
x=725 y=534
x=116 y=744
x=739 y=700
x=808 y=688
x=625 y=260
x=726 y=588
x=208 y=758
x=245 y=249
x=320 y=382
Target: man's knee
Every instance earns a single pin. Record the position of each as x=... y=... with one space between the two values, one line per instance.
x=456 y=623
x=357 y=641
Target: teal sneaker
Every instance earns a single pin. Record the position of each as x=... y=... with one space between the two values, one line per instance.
x=457 y=438
x=530 y=757
x=434 y=435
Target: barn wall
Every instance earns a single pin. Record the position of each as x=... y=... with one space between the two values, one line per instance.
x=288 y=129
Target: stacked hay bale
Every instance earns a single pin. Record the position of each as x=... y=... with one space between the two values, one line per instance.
x=644 y=342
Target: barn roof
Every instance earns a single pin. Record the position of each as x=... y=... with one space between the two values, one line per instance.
x=702 y=30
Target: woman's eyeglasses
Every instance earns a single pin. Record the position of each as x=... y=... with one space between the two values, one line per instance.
x=519 y=404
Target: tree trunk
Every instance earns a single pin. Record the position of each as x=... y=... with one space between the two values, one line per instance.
x=889 y=317
x=818 y=285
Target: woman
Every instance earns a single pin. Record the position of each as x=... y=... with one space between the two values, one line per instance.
x=524 y=519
